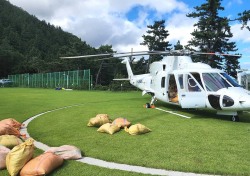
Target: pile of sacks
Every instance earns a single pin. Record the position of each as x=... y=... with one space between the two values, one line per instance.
x=16 y=154
x=106 y=125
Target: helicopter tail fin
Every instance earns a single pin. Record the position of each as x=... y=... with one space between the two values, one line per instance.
x=129 y=70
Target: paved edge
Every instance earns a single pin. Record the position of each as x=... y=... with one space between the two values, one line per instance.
x=102 y=163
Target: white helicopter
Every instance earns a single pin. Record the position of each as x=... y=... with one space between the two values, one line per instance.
x=178 y=80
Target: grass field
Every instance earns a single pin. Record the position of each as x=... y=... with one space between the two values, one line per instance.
x=206 y=143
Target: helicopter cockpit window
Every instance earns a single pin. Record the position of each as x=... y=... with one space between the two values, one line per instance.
x=214 y=81
x=198 y=78
x=192 y=85
x=230 y=80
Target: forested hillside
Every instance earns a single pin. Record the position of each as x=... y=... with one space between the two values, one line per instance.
x=28 y=45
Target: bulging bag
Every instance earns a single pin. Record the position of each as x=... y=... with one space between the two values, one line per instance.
x=11 y=122
x=108 y=128
x=3 y=153
x=10 y=141
x=19 y=156
x=66 y=152
x=42 y=164
x=121 y=122
x=137 y=129
x=8 y=129
x=99 y=120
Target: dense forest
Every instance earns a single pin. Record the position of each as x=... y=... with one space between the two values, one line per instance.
x=28 y=45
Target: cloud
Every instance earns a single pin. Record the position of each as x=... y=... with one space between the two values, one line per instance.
x=105 y=22
x=180 y=27
x=239 y=34
x=231 y=3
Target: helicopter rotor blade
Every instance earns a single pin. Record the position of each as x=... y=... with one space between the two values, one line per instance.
x=86 y=56
x=108 y=54
x=141 y=53
x=218 y=54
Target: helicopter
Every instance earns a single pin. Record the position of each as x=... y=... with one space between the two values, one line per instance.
x=177 y=80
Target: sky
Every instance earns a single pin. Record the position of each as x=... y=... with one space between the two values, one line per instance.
x=121 y=23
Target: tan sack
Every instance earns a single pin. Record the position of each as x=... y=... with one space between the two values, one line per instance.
x=137 y=129
x=19 y=156
x=121 y=122
x=99 y=120
x=10 y=141
x=3 y=153
x=108 y=128
x=8 y=129
x=66 y=152
x=11 y=122
x=42 y=164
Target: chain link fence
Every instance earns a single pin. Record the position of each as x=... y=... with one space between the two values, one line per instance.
x=78 y=79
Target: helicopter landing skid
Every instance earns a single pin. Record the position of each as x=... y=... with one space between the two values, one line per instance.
x=148 y=105
x=151 y=104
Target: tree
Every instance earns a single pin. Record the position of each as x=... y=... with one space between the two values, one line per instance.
x=29 y=45
x=106 y=69
x=178 y=46
x=231 y=65
x=244 y=17
x=211 y=35
x=156 y=40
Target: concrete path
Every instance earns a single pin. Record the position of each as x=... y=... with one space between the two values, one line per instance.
x=106 y=164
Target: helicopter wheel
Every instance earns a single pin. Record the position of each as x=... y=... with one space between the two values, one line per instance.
x=148 y=105
x=235 y=118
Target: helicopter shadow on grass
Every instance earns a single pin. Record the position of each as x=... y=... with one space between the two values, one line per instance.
x=203 y=113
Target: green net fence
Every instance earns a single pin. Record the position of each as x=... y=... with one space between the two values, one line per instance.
x=78 y=79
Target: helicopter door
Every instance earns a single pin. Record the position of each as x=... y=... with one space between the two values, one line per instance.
x=163 y=88
x=190 y=92
x=172 y=89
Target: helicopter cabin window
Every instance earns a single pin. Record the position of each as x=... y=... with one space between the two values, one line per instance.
x=164 y=67
x=192 y=85
x=214 y=81
x=180 y=78
x=163 y=80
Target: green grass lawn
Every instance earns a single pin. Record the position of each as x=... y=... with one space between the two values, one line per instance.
x=206 y=143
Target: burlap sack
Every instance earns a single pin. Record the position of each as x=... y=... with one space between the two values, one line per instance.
x=99 y=120
x=19 y=156
x=66 y=152
x=11 y=122
x=42 y=164
x=137 y=129
x=8 y=129
x=121 y=122
x=109 y=128
x=3 y=153
x=10 y=141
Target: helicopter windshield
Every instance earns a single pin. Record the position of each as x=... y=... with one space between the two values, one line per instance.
x=230 y=80
x=214 y=81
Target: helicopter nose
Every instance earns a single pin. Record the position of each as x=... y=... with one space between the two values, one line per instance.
x=244 y=101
